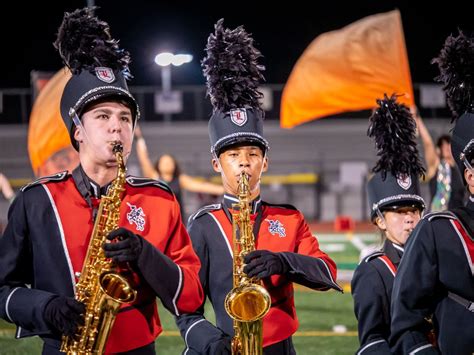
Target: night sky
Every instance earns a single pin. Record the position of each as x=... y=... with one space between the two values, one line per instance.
x=147 y=27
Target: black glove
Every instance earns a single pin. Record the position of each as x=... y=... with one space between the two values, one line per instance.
x=264 y=263
x=220 y=347
x=64 y=314
x=126 y=249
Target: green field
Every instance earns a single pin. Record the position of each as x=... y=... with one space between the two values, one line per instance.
x=318 y=313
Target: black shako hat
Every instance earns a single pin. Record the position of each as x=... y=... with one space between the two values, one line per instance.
x=456 y=67
x=395 y=182
x=99 y=68
x=232 y=77
x=462 y=142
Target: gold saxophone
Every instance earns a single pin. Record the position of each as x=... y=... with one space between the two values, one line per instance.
x=248 y=301
x=101 y=287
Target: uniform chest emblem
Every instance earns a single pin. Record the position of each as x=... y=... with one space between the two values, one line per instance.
x=276 y=227
x=136 y=216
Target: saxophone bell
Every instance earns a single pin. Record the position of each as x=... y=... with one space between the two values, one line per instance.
x=117 y=287
x=247 y=302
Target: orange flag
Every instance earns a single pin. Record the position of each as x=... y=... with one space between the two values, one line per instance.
x=49 y=146
x=347 y=70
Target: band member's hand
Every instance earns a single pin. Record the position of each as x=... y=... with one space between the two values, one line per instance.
x=264 y=263
x=138 y=132
x=126 y=248
x=220 y=347
x=64 y=314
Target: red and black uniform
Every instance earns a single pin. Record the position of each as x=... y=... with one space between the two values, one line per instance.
x=278 y=229
x=371 y=286
x=46 y=240
x=436 y=278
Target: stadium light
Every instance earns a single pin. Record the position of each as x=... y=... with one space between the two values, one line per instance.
x=165 y=60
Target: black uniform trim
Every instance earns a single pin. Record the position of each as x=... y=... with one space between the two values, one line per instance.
x=201 y=212
x=444 y=214
x=50 y=178
x=168 y=283
x=136 y=181
x=373 y=256
x=307 y=271
x=378 y=346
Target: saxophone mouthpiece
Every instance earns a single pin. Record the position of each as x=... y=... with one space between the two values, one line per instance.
x=243 y=176
x=117 y=147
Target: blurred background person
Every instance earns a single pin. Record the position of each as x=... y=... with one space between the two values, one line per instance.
x=6 y=189
x=167 y=169
x=446 y=187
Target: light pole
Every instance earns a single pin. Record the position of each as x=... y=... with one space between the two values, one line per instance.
x=165 y=60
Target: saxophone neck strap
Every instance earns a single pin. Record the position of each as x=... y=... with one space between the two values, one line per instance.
x=86 y=188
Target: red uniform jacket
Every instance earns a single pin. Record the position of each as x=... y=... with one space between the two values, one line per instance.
x=46 y=240
x=282 y=229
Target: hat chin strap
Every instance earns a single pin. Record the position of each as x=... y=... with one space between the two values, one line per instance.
x=78 y=123
x=468 y=165
x=380 y=215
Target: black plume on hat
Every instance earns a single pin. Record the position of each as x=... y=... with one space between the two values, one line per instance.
x=99 y=67
x=398 y=167
x=84 y=43
x=233 y=75
x=456 y=67
x=394 y=131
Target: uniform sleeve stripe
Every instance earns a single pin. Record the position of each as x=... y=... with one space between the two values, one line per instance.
x=178 y=290
x=369 y=345
x=63 y=239
x=8 y=301
x=223 y=234
x=189 y=329
x=419 y=349
x=327 y=269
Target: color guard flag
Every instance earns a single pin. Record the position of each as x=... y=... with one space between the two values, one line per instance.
x=347 y=70
x=49 y=146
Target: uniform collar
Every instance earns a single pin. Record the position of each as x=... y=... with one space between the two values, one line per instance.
x=228 y=200
x=470 y=203
x=393 y=251
x=88 y=187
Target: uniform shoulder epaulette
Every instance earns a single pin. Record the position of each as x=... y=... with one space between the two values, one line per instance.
x=373 y=256
x=202 y=211
x=44 y=179
x=444 y=214
x=137 y=181
x=281 y=205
